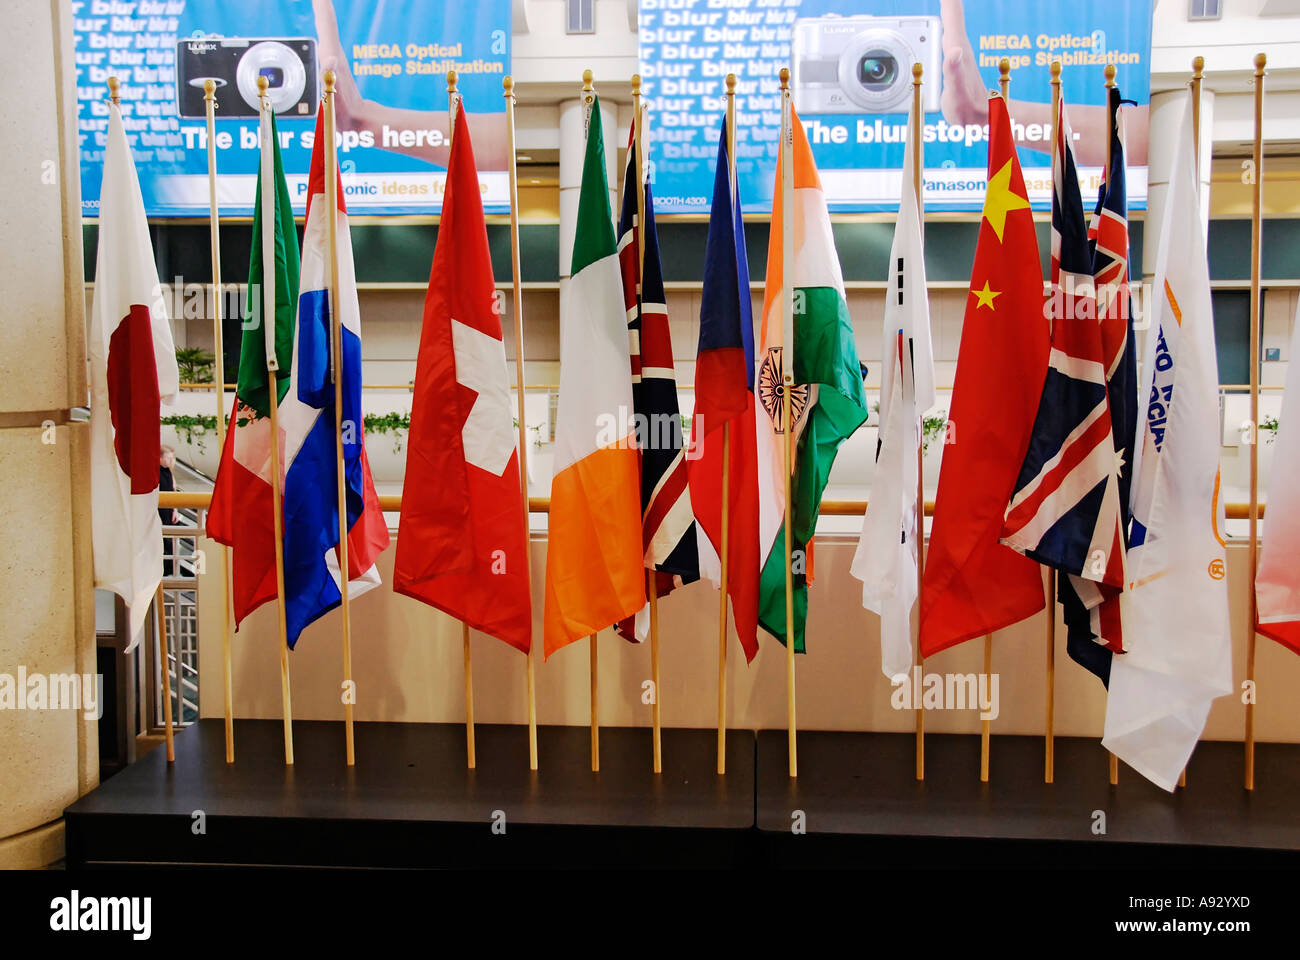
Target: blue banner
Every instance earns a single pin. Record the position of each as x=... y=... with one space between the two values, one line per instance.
x=851 y=78
x=391 y=59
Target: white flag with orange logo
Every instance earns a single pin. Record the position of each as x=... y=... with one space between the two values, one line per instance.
x=1175 y=610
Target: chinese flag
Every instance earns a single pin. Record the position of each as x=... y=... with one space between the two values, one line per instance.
x=974 y=585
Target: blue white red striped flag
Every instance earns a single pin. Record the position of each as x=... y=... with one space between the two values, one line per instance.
x=311 y=519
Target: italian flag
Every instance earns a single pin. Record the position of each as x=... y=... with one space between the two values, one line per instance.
x=241 y=513
x=828 y=399
x=595 y=572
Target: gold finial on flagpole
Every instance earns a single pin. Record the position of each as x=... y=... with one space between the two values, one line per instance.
x=508 y=85
x=1261 y=61
x=587 y=85
x=636 y=85
x=210 y=89
x=785 y=78
x=1004 y=77
x=731 y=84
x=262 y=85
x=1110 y=75
x=112 y=91
x=917 y=71
x=330 y=79
x=1055 y=71
x=451 y=81
x=1198 y=68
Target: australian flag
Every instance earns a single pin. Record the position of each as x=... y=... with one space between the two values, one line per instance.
x=1070 y=505
x=667 y=523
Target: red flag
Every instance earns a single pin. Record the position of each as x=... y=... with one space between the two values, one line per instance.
x=461 y=540
x=973 y=584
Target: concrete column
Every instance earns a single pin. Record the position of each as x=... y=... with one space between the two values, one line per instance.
x=47 y=757
x=1167 y=112
x=572 y=149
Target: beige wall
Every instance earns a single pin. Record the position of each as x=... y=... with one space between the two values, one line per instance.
x=47 y=758
x=408 y=667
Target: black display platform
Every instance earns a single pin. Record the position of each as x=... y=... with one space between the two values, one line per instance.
x=863 y=806
x=410 y=801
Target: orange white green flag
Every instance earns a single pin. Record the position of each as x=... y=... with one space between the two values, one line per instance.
x=595 y=572
x=828 y=400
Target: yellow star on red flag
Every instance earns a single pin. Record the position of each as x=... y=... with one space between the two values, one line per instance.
x=985 y=297
x=1000 y=200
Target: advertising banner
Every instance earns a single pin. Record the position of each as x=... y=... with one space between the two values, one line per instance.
x=391 y=59
x=851 y=78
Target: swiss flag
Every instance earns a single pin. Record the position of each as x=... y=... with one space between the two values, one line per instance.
x=973 y=584
x=462 y=537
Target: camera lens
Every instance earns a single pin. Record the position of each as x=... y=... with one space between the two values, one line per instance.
x=274 y=77
x=877 y=70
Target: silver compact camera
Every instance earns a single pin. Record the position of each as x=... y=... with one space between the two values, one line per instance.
x=288 y=63
x=863 y=64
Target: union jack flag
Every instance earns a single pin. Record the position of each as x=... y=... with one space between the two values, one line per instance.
x=1092 y=615
x=667 y=521
x=1068 y=509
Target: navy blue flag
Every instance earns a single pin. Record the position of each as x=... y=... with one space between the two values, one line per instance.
x=1093 y=622
x=1066 y=510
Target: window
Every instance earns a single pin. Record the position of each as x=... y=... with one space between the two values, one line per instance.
x=582 y=16
x=1201 y=10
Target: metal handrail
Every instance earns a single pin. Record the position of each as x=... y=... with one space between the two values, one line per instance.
x=392 y=502
x=230 y=387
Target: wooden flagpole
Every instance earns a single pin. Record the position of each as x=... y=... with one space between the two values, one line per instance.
x=269 y=221
x=1109 y=72
x=165 y=650
x=508 y=85
x=1256 y=206
x=652 y=587
x=219 y=375
x=1198 y=67
x=1049 y=706
x=453 y=104
x=918 y=166
x=1004 y=85
x=336 y=334
x=726 y=473
x=588 y=102
x=787 y=389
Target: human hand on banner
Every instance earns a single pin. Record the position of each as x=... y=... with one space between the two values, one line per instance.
x=354 y=113
x=965 y=96
x=965 y=100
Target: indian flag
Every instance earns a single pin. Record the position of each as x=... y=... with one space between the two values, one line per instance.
x=595 y=573
x=828 y=401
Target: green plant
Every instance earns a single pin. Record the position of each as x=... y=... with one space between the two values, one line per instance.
x=192 y=429
x=398 y=424
x=933 y=427
x=1269 y=425
x=195 y=364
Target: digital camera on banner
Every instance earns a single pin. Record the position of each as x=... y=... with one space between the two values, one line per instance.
x=289 y=65
x=863 y=64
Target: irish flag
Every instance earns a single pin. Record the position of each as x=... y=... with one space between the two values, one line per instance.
x=132 y=365
x=594 y=567
x=828 y=401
